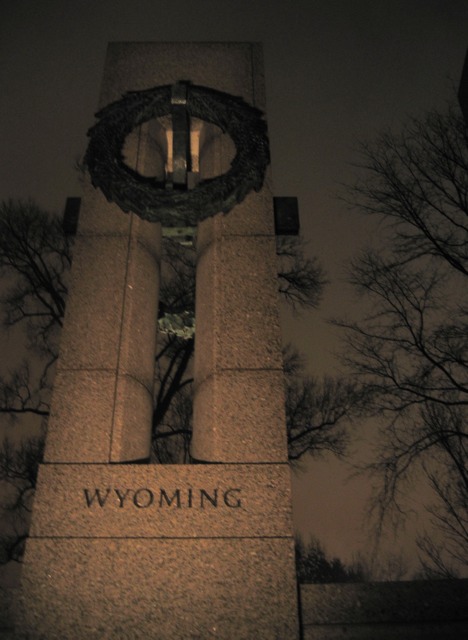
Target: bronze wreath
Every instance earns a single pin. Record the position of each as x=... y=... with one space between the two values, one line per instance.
x=147 y=197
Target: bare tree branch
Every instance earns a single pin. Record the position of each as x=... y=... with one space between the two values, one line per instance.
x=301 y=279
x=409 y=350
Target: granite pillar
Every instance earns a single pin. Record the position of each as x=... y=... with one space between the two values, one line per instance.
x=120 y=550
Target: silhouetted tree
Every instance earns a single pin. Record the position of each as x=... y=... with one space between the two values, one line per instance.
x=314 y=566
x=18 y=472
x=301 y=278
x=409 y=350
x=318 y=411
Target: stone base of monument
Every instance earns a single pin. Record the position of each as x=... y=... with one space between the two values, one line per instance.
x=167 y=552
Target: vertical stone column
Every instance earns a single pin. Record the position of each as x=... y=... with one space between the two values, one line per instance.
x=103 y=393
x=177 y=552
x=239 y=385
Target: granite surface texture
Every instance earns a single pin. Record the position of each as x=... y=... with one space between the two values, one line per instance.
x=154 y=501
x=239 y=385
x=130 y=551
x=221 y=418
x=233 y=67
x=163 y=589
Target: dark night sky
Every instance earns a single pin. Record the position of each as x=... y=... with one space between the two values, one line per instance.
x=337 y=72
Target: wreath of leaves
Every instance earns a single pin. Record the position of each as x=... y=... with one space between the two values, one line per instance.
x=146 y=196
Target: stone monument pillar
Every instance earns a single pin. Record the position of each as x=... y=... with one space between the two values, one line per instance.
x=123 y=550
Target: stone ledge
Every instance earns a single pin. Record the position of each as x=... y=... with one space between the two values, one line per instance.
x=384 y=602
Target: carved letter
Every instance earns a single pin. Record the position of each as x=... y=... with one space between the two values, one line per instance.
x=235 y=503
x=213 y=500
x=149 y=501
x=97 y=495
x=169 y=501
x=121 y=497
